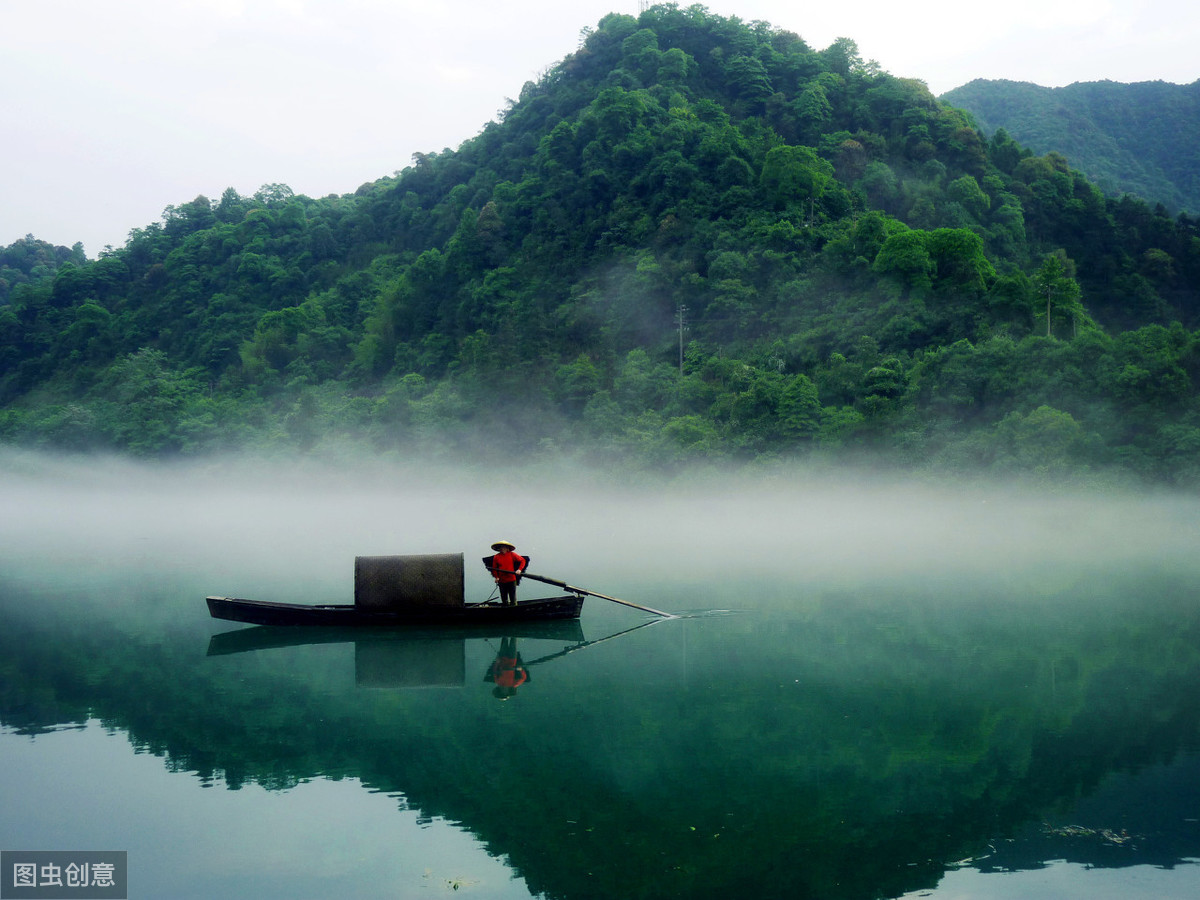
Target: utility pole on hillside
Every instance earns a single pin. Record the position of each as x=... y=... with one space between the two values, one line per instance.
x=681 y=317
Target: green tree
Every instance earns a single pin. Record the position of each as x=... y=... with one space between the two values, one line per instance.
x=905 y=258
x=813 y=110
x=967 y=192
x=794 y=175
x=799 y=409
x=748 y=81
x=842 y=57
x=883 y=386
x=1045 y=441
x=575 y=383
x=962 y=264
x=1059 y=291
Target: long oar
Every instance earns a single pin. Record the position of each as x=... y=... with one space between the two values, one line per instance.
x=580 y=646
x=565 y=586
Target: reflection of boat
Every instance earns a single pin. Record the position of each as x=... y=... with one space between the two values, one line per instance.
x=242 y=640
x=263 y=612
x=401 y=657
x=509 y=671
x=398 y=591
x=412 y=657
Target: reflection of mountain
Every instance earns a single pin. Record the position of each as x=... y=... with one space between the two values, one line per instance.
x=846 y=751
x=1147 y=818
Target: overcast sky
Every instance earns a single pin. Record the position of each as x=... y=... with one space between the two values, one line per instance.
x=113 y=111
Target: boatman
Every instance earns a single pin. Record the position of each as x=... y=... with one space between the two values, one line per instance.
x=506 y=567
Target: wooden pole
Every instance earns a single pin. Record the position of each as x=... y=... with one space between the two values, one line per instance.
x=565 y=586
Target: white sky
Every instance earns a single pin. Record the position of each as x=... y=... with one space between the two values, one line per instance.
x=113 y=111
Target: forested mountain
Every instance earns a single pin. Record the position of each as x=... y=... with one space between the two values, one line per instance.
x=692 y=239
x=29 y=261
x=1139 y=138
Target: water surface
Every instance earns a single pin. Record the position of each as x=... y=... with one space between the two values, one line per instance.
x=871 y=690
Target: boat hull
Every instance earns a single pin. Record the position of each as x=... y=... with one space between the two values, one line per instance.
x=261 y=612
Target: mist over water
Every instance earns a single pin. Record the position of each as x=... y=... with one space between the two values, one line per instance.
x=255 y=521
x=870 y=680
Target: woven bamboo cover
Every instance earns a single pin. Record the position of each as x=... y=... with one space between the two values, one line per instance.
x=434 y=579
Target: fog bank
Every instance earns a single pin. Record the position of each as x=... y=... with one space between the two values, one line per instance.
x=235 y=521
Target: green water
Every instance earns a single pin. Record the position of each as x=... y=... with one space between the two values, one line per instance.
x=870 y=692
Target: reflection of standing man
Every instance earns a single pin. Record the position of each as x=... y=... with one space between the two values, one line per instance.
x=508 y=670
x=506 y=567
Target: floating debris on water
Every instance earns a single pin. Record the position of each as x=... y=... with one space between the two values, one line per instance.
x=1105 y=834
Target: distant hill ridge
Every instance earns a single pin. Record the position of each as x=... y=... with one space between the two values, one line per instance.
x=1141 y=138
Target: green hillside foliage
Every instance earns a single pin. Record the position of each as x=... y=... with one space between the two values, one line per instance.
x=694 y=239
x=1142 y=138
x=29 y=261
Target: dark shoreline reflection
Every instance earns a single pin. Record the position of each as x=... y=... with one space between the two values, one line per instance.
x=838 y=746
x=1147 y=817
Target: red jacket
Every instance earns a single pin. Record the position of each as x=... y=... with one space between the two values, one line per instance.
x=506 y=565
x=508 y=672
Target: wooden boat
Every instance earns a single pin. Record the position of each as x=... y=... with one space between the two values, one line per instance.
x=263 y=612
x=392 y=591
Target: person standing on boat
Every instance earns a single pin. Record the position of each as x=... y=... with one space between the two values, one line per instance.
x=506 y=567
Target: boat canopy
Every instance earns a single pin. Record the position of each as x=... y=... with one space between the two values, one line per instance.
x=404 y=582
